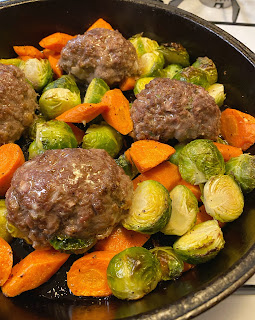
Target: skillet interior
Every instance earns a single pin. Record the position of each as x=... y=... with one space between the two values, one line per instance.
x=26 y=22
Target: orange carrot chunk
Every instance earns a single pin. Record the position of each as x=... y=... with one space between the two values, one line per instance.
x=87 y=276
x=6 y=261
x=48 y=52
x=121 y=239
x=203 y=216
x=11 y=158
x=238 y=128
x=127 y=84
x=188 y=266
x=100 y=23
x=228 y=151
x=194 y=189
x=82 y=113
x=24 y=58
x=118 y=113
x=79 y=134
x=166 y=173
x=55 y=41
x=29 y=51
x=147 y=154
x=53 y=60
x=35 y=269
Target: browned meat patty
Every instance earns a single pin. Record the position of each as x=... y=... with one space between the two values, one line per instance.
x=168 y=109
x=17 y=103
x=76 y=193
x=100 y=53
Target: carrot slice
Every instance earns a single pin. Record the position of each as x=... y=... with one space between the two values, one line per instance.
x=48 y=52
x=194 y=189
x=53 y=60
x=118 y=113
x=56 y=41
x=11 y=158
x=87 y=276
x=24 y=58
x=127 y=84
x=35 y=269
x=188 y=266
x=147 y=154
x=29 y=51
x=6 y=261
x=100 y=23
x=79 y=134
x=238 y=128
x=203 y=216
x=166 y=173
x=121 y=239
x=228 y=151
x=84 y=112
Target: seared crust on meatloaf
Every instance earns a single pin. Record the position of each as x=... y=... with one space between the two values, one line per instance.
x=76 y=193
x=17 y=103
x=168 y=109
x=100 y=53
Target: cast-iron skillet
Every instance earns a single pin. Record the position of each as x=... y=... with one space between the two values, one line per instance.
x=26 y=22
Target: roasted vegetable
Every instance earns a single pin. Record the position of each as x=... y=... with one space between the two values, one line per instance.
x=193 y=75
x=129 y=168
x=15 y=62
x=216 y=91
x=64 y=82
x=40 y=119
x=175 y=157
x=175 y=53
x=151 y=63
x=95 y=91
x=150 y=209
x=133 y=273
x=143 y=44
x=4 y=233
x=207 y=65
x=223 y=198
x=141 y=83
x=200 y=244
x=170 y=71
x=72 y=245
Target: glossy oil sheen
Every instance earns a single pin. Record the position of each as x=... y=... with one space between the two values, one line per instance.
x=25 y=23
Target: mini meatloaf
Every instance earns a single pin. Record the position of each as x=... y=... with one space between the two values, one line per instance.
x=17 y=103
x=100 y=53
x=168 y=109
x=75 y=193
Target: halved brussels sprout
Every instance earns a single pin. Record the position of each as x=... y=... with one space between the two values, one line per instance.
x=170 y=71
x=72 y=245
x=141 y=83
x=38 y=72
x=53 y=102
x=200 y=244
x=151 y=63
x=242 y=168
x=223 y=198
x=151 y=208
x=96 y=90
x=175 y=157
x=4 y=233
x=53 y=134
x=16 y=233
x=32 y=129
x=216 y=91
x=184 y=211
x=199 y=160
x=193 y=75
x=175 y=53
x=143 y=45
x=15 y=62
x=65 y=82
x=171 y=265
x=128 y=167
x=133 y=273
x=103 y=136
x=207 y=65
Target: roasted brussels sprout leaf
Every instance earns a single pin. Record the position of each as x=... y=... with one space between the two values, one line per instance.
x=53 y=134
x=199 y=160
x=143 y=45
x=141 y=83
x=223 y=198
x=33 y=128
x=64 y=82
x=193 y=75
x=200 y=244
x=216 y=91
x=171 y=265
x=103 y=136
x=38 y=72
x=16 y=233
x=175 y=53
x=170 y=71
x=151 y=208
x=15 y=62
x=151 y=63
x=96 y=90
x=242 y=168
x=4 y=233
x=133 y=273
x=128 y=167
x=72 y=245
x=184 y=211
x=208 y=66
x=175 y=157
